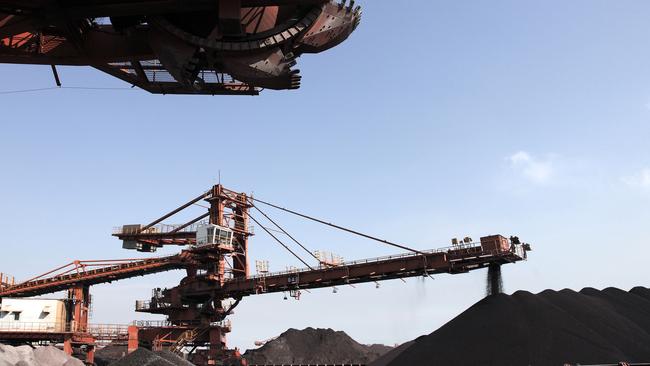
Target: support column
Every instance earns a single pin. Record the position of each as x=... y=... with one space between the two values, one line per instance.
x=217 y=345
x=79 y=297
x=90 y=355
x=133 y=339
x=217 y=210
x=67 y=344
x=240 y=259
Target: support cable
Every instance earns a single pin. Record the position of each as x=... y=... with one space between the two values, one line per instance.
x=287 y=234
x=280 y=242
x=7 y=92
x=340 y=227
x=181 y=227
x=174 y=212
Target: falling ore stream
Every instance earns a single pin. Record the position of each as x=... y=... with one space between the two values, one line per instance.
x=494 y=283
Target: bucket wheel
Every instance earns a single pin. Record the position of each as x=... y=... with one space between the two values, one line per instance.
x=257 y=45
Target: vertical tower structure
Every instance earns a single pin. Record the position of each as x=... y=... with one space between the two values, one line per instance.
x=78 y=309
x=220 y=252
x=229 y=209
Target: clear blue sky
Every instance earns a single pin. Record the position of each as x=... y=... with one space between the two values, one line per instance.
x=434 y=120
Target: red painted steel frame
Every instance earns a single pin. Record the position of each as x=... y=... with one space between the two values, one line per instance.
x=137 y=42
x=76 y=274
x=195 y=309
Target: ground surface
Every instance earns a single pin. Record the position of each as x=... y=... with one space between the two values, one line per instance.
x=549 y=328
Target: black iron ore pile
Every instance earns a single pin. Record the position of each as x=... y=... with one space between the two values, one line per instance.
x=314 y=346
x=308 y=346
x=109 y=354
x=142 y=357
x=550 y=328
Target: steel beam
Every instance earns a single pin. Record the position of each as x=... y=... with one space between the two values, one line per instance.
x=106 y=274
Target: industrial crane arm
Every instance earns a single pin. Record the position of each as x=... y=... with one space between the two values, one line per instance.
x=86 y=273
x=452 y=260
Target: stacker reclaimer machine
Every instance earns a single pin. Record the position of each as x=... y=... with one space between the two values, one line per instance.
x=218 y=276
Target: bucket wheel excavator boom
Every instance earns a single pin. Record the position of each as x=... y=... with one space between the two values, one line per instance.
x=215 y=47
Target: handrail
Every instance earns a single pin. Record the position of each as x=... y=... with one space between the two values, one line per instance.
x=189 y=324
x=447 y=250
x=63 y=327
x=17 y=326
x=161 y=229
x=343 y=264
x=149 y=305
x=158 y=229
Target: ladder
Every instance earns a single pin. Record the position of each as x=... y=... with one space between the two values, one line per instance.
x=188 y=337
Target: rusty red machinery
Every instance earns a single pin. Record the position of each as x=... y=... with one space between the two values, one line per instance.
x=215 y=258
x=76 y=278
x=214 y=47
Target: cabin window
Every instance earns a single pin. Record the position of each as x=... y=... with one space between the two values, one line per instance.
x=225 y=237
x=16 y=315
x=210 y=235
x=215 y=235
x=3 y=314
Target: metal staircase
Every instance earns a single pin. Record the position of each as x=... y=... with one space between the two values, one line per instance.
x=188 y=337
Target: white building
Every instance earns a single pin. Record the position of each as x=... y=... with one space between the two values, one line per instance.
x=32 y=315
